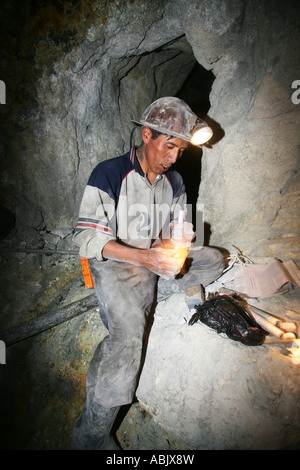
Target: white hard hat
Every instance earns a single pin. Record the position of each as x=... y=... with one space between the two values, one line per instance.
x=172 y=116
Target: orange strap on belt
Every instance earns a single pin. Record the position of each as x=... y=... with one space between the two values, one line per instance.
x=87 y=275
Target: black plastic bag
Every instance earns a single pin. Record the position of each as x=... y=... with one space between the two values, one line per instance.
x=226 y=315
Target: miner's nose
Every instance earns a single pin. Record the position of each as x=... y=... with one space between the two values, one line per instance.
x=175 y=153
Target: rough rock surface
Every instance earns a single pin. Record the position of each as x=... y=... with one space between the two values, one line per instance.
x=200 y=390
x=75 y=79
x=215 y=393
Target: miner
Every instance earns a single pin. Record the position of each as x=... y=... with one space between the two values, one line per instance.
x=132 y=231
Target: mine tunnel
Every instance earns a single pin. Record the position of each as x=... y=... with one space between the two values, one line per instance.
x=76 y=74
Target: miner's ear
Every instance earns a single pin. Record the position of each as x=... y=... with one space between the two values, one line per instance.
x=146 y=135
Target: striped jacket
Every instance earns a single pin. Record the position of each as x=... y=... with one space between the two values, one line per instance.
x=119 y=203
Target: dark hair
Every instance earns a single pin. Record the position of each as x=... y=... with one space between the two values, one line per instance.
x=155 y=134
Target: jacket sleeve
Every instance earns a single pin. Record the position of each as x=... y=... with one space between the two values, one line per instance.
x=96 y=223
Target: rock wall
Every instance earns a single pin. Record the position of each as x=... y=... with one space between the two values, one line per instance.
x=77 y=72
x=213 y=393
x=83 y=91
x=250 y=179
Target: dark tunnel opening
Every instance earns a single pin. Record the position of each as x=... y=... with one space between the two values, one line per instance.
x=195 y=92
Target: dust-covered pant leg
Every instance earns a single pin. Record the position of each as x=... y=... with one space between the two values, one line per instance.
x=124 y=293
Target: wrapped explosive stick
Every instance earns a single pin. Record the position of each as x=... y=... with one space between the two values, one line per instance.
x=279 y=322
x=270 y=328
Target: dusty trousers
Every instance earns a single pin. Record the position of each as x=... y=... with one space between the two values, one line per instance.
x=125 y=294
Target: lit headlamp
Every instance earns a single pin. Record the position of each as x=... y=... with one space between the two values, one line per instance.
x=201 y=133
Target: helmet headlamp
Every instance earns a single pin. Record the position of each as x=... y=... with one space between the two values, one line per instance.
x=201 y=133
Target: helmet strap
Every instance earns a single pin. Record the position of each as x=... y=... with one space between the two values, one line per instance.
x=131 y=135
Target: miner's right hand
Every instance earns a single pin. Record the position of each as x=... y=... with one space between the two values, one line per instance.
x=164 y=262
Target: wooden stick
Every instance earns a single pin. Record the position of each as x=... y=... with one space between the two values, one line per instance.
x=272 y=318
x=48 y=320
x=42 y=251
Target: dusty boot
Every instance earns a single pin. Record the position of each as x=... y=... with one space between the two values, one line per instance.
x=93 y=429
